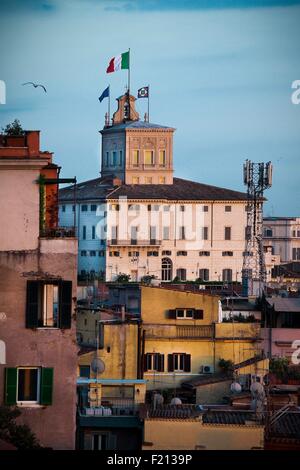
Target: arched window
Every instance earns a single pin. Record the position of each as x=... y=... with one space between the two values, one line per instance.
x=166 y=269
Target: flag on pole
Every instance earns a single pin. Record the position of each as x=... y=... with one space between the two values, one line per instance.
x=119 y=62
x=143 y=92
x=105 y=94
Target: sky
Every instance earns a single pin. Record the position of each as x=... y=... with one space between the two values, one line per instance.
x=220 y=72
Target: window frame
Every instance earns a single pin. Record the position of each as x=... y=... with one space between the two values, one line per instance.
x=38 y=385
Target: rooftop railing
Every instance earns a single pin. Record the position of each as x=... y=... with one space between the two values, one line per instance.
x=60 y=232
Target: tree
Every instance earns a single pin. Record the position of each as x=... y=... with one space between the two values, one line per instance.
x=226 y=365
x=19 y=435
x=14 y=128
x=123 y=278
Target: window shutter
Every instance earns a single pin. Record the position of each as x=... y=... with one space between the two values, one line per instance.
x=10 y=385
x=32 y=304
x=187 y=363
x=145 y=362
x=198 y=314
x=112 y=442
x=161 y=363
x=172 y=314
x=65 y=304
x=46 y=385
x=170 y=363
x=101 y=335
x=88 y=441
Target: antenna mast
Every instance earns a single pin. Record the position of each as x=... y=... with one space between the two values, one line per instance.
x=257 y=178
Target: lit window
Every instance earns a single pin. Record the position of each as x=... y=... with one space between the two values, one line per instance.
x=148 y=180
x=149 y=157
x=135 y=157
x=162 y=157
x=28 y=385
x=135 y=180
x=227 y=233
x=162 y=180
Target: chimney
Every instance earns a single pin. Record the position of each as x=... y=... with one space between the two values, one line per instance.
x=33 y=143
x=117 y=181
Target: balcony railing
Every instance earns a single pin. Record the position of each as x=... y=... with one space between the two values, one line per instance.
x=60 y=232
x=201 y=331
x=111 y=407
x=133 y=242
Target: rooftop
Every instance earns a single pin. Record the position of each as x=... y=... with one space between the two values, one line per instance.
x=135 y=125
x=181 y=189
x=283 y=304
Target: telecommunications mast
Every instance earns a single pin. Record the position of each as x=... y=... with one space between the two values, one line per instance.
x=257 y=178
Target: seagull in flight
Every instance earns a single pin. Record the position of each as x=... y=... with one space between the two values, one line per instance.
x=35 y=85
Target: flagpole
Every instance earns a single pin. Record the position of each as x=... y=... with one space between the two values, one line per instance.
x=129 y=82
x=109 y=105
x=148 y=102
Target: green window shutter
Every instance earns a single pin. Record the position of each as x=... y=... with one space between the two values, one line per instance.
x=65 y=304
x=10 y=385
x=46 y=385
x=32 y=304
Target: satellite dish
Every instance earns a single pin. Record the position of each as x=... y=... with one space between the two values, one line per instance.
x=176 y=401
x=235 y=387
x=98 y=365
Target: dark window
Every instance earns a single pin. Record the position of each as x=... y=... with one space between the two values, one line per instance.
x=84 y=208
x=166 y=269
x=268 y=232
x=63 y=208
x=166 y=253
x=296 y=254
x=152 y=253
x=48 y=304
x=204 y=274
x=205 y=233
x=227 y=275
x=154 y=361
x=101 y=253
x=247 y=232
x=73 y=208
x=93 y=207
x=114 y=253
x=227 y=253
x=205 y=208
x=179 y=362
x=83 y=252
x=204 y=253
x=182 y=208
x=227 y=233
x=227 y=208
x=28 y=384
x=92 y=253
x=181 y=274
x=84 y=232
x=93 y=232
x=84 y=371
x=181 y=253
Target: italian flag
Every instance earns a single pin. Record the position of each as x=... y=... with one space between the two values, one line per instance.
x=119 y=62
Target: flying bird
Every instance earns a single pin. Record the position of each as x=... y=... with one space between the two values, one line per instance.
x=35 y=85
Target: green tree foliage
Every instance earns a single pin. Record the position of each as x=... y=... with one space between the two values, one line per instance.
x=123 y=278
x=19 y=435
x=13 y=128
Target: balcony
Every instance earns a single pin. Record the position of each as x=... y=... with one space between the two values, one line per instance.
x=117 y=413
x=180 y=332
x=60 y=232
x=134 y=242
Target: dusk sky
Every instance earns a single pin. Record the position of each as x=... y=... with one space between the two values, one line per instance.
x=220 y=72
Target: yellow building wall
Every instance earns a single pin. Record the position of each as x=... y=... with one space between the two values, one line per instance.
x=203 y=352
x=193 y=435
x=156 y=301
x=119 y=353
